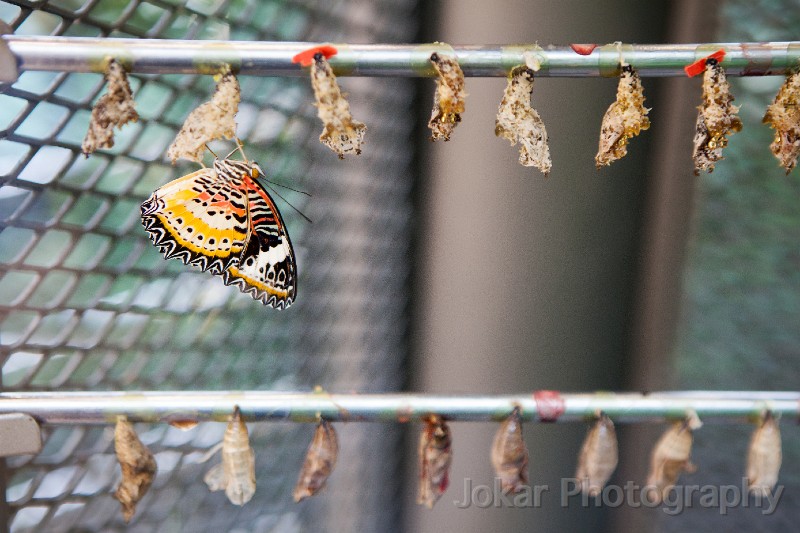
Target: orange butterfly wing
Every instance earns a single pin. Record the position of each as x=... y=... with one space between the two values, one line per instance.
x=199 y=219
x=223 y=221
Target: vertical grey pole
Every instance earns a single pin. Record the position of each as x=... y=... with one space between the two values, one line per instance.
x=520 y=276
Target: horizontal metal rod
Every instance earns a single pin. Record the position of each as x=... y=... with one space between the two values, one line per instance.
x=159 y=56
x=547 y=406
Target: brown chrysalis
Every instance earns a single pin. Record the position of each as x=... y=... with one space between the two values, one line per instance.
x=716 y=120
x=520 y=123
x=448 y=100
x=599 y=456
x=670 y=457
x=625 y=118
x=319 y=463
x=211 y=120
x=764 y=456
x=138 y=467
x=114 y=109
x=435 y=455
x=341 y=132
x=510 y=455
x=783 y=116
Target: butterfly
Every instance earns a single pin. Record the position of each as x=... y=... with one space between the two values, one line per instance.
x=223 y=220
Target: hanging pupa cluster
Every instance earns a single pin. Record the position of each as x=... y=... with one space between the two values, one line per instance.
x=598 y=457
x=764 y=456
x=625 y=118
x=114 y=109
x=448 y=100
x=519 y=122
x=783 y=115
x=671 y=456
x=510 y=455
x=717 y=118
x=211 y=120
x=597 y=460
x=516 y=119
x=138 y=467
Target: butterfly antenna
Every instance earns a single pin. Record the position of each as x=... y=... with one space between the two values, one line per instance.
x=276 y=193
x=212 y=151
x=279 y=184
x=286 y=187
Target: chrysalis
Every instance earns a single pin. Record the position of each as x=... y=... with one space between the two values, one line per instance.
x=319 y=463
x=599 y=456
x=509 y=454
x=625 y=118
x=670 y=457
x=114 y=108
x=448 y=101
x=764 y=456
x=783 y=116
x=211 y=120
x=341 y=132
x=138 y=467
x=519 y=122
x=435 y=455
x=716 y=120
x=236 y=474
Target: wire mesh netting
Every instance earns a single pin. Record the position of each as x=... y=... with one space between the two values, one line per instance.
x=741 y=300
x=86 y=301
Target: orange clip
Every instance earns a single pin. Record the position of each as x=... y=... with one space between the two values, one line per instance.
x=583 y=49
x=306 y=57
x=700 y=65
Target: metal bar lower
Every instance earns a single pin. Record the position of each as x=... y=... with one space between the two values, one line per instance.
x=159 y=56
x=197 y=406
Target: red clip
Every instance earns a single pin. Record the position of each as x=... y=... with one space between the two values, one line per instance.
x=700 y=65
x=583 y=49
x=306 y=57
x=549 y=405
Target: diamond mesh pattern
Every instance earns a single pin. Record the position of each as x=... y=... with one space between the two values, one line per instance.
x=86 y=302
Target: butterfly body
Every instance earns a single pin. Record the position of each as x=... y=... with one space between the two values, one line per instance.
x=222 y=220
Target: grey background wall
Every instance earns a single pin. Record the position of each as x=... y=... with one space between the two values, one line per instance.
x=526 y=282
